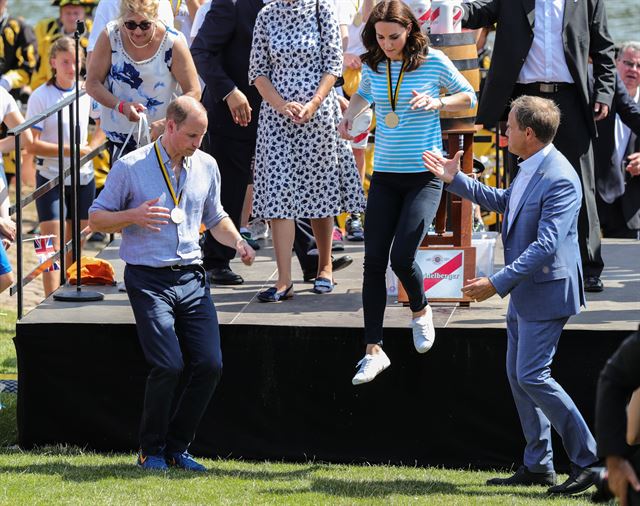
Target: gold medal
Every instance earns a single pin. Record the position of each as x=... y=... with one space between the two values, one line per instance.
x=391 y=120
x=177 y=24
x=357 y=21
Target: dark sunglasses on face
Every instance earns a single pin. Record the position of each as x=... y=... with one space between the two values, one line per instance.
x=143 y=25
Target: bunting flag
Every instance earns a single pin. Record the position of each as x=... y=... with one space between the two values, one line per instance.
x=45 y=250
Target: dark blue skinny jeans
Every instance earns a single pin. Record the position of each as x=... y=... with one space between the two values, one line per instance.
x=400 y=209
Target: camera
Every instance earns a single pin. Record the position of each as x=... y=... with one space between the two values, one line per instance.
x=603 y=494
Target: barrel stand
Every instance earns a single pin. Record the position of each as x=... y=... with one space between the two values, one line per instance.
x=459 y=238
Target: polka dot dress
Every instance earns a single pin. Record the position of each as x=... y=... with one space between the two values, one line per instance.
x=301 y=171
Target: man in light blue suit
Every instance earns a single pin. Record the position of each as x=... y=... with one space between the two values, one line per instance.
x=543 y=275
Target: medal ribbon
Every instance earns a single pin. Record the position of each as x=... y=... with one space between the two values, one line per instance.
x=178 y=4
x=393 y=96
x=165 y=174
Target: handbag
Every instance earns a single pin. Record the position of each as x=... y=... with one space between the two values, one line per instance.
x=340 y=80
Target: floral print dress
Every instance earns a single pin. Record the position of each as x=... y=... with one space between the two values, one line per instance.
x=301 y=171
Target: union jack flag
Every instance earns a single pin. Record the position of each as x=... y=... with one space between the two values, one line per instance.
x=44 y=249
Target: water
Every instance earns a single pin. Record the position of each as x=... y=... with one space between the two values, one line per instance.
x=624 y=15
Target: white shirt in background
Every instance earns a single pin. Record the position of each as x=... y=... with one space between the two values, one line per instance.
x=623 y=134
x=199 y=19
x=546 y=61
x=41 y=99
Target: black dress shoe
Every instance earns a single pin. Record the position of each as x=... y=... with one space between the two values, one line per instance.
x=579 y=480
x=224 y=276
x=337 y=264
x=593 y=284
x=525 y=477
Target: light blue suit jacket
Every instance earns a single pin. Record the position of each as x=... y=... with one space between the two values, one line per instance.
x=543 y=270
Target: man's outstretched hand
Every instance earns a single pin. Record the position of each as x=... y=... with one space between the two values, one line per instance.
x=440 y=166
x=479 y=289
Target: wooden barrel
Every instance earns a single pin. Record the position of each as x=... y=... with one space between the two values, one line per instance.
x=461 y=50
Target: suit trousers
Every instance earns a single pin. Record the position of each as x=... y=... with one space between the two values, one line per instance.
x=176 y=323
x=613 y=221
x=235 y=158
x=573 y=140
x=541 y=402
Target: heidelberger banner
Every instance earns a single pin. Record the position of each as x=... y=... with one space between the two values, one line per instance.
x=443 y=272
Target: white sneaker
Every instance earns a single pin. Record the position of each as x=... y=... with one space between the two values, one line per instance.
x=370 y=366
x=424 y=334
x=259 y=228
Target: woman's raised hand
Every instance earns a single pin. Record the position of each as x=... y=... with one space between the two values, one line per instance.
x=424 y=101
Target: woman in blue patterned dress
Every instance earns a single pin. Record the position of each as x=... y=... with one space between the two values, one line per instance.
x=403 y=76
x=138 y=65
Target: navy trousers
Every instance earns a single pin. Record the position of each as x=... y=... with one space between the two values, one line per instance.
x=178 y=331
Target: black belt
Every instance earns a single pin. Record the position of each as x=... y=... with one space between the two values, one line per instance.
x=545 y=88
x=174 y=268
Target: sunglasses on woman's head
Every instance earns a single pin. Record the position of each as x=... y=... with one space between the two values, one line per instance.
x=143 y=25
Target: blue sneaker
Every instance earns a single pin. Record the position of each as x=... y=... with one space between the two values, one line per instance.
x=184 y=461
x=151 y=462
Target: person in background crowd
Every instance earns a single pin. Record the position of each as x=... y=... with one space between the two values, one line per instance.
x=356 y=14
x=138 y=65
x=184 y=12
x=617 y=151
x=221 y=54
x=158 y=196
x=542 y=48
x=109 y=10
x=199 y=19
x=542 y=275
x=303 y=169
x=48 y=30
x=18 y=53
x=18 y=57
x=615 y=418
x=45 y=148
x=7 y=236
x=403 y=77
x=11 y=117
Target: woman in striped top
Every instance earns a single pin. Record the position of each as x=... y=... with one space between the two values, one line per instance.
x=403 y=77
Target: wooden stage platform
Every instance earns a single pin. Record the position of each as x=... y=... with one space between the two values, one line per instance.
x=286 y=390
x=615 y=309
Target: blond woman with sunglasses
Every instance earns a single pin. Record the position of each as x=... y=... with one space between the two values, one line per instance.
x=137 y=67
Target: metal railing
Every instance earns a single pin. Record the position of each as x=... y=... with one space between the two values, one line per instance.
x=21 y=202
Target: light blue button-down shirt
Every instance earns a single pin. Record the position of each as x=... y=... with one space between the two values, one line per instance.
x=136 y=178
x=527 y=168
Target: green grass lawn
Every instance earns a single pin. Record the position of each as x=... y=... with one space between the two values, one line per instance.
x=69 y=476
x=7 y=350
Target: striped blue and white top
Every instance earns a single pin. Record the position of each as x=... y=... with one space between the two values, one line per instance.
x=400 y=149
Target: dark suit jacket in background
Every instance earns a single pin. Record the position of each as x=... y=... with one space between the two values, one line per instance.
x=585 y=34
x=610 y=179
x=221 y=53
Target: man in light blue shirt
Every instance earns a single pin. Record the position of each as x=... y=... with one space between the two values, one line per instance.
x=158 y=196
